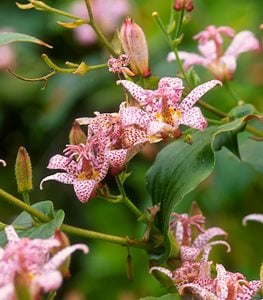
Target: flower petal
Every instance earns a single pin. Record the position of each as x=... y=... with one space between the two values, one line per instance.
x=3 y=162
x=189 y=59
x=171 y=88
x=252 y=217
x=58 y=259
x=84 y=189
x=244 y=41
x=196 y=94
x=194 y=118
x=133 y=115
x=48 y=281
x=60 y=177
x=11 y=234
x=203 y=238
x=63 y=163
x=208 y=50
x=137 y=92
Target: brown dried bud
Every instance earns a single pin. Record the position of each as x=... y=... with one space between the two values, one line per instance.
x=23 y=171
x=135 y=46
x=77 y=135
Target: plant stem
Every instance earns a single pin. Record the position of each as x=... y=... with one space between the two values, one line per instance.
x=101 y=236
x=98 y=31
x=254 y=130
x=231 y=92
x=128 y=202
x=212 y=109
x=43 y=6
x=22 y=205
x=72 y=229
x=179 y=23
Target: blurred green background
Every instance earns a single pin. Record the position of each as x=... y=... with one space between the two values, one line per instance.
x=40 y=120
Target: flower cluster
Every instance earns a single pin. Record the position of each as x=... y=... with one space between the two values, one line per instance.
x=30 y=266
x=194 y=277
x=221 y=64
x=114 y=138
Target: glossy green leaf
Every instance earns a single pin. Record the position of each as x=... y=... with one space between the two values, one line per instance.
x=11 y=37
x=34 y=230
x=181 y=167
x=165 y=297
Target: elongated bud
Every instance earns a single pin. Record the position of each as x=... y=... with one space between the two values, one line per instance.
x=77 y=135
x=23 y=171
x=135 y=46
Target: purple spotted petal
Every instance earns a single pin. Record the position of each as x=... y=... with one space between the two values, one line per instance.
x=252 y=217
x=116 y=158
x=244 y=41
x=133 y=115
x=137 y=92
x=165 y=271
x=189 y=253
x=60 y=177
x=196 y=94
x=11 y=234
x=58 y=259
x=62 y=162
x=194 y=118
x=155 y=129
x=203 y=238
x=84 y=189
x=171 y=88
x=198 y=290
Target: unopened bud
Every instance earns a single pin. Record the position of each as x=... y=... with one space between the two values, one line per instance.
x=180 y=4
x=135 y=46
x=77 y=135
x=23 y=171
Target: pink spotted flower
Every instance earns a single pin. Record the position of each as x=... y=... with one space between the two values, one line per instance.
x=222 y=64
x=30 y=264
x=194 y=277
x=161 y=111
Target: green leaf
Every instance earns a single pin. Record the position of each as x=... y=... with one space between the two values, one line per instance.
x=251 y=151
x=180 y=168
x=31 y=228
x=11 y=37
x=242 y=111
x=165 y=297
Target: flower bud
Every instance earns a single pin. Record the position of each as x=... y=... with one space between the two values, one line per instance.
x=23 y=171
x=180 y=4
x=135 y=46
x=77 y=135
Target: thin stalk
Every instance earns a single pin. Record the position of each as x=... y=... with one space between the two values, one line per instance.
x=22 y=205
x=128 y=202
x=71 y=229
x=212 y=109
x=26 y=197
x=231 y=92
x=179 y=23
x=101 y=236
x=43 y=6
x=98 y=31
